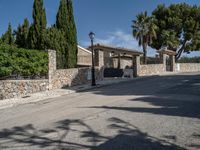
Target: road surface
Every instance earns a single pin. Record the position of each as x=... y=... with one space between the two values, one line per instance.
x=155 y=113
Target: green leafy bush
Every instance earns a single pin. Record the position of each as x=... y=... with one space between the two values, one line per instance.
x=22 y=62
x=189 y=60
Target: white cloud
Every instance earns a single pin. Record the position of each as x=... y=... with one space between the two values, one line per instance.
x=119 y=38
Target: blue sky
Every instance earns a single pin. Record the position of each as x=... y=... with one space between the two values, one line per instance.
x=110 y=19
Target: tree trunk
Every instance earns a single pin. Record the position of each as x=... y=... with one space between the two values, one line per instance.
x=180 y=51
x=145 y=53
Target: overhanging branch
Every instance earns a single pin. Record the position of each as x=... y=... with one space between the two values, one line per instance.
x=180 y=51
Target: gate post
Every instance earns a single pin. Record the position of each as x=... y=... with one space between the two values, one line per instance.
x=172 y=63
x=52 y=67
x=136 y=63
x=163 y=58
x=99 y=62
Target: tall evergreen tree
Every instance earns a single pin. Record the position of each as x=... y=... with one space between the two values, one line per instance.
x=22 y=34
x=55 y=39
x=31 y=39
x=62 y=25
x=65 y=22
x=37 y=33
x=8 y=37
x=73 y=50
x=62 y=16
x=18 y=34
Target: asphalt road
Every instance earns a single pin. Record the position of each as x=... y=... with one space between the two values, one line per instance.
x=156 y=113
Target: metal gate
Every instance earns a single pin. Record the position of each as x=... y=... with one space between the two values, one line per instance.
x=168 y=65
x=113 y=72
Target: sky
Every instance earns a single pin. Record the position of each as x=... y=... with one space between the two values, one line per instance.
x=110 y=20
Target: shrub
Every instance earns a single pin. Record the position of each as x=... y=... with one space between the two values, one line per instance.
x=189 y=60
x=22 y=62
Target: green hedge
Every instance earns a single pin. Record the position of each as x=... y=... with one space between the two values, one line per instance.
x=22 y=62
x=189 y=60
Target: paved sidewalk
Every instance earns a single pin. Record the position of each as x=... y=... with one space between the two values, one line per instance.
x=58 y=92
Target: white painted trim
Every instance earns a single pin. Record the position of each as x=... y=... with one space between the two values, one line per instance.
x=84 y=49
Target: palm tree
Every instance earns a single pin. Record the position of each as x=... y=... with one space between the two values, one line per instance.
x=144 y=30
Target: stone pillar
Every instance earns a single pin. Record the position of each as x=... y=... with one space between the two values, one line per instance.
x=96 y=57
x=52 y=67
x=101 y=58
x=99 y=62
x=172 y=63
x=136 y=63
x=163 y=58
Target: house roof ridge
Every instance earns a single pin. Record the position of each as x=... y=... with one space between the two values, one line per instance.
x=84 y=49
x=118 y=48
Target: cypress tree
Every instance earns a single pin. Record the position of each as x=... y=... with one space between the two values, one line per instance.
x=72 y=37
x=37 y=32
x=62 y=25
x=8 y=37
x=18 y=34
x=61 y=17
x=55 y=39
x=65 y=22
x=22 y=34
x=25 y=31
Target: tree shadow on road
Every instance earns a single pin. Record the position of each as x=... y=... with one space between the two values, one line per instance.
x=174 y=84
x=54 y=138
x=127 y=137
x=164 y=106
x=169 y=99
x=130 y=137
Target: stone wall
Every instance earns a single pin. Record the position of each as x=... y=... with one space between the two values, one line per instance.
x=56 y=79
x=188 y=67
x=70 y=77
x=20 y=88
x=153 y=69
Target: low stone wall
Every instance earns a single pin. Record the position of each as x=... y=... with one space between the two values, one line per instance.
x=68 y=77
x=188 y=67
x=71 y=77
x=20 y=88
x=152 y=69
x=56 y=79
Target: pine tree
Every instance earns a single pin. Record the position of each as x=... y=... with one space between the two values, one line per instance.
x=22 y=34
x=178 y=28
x=65 y=22
x=37 y=33
x=8 y=37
